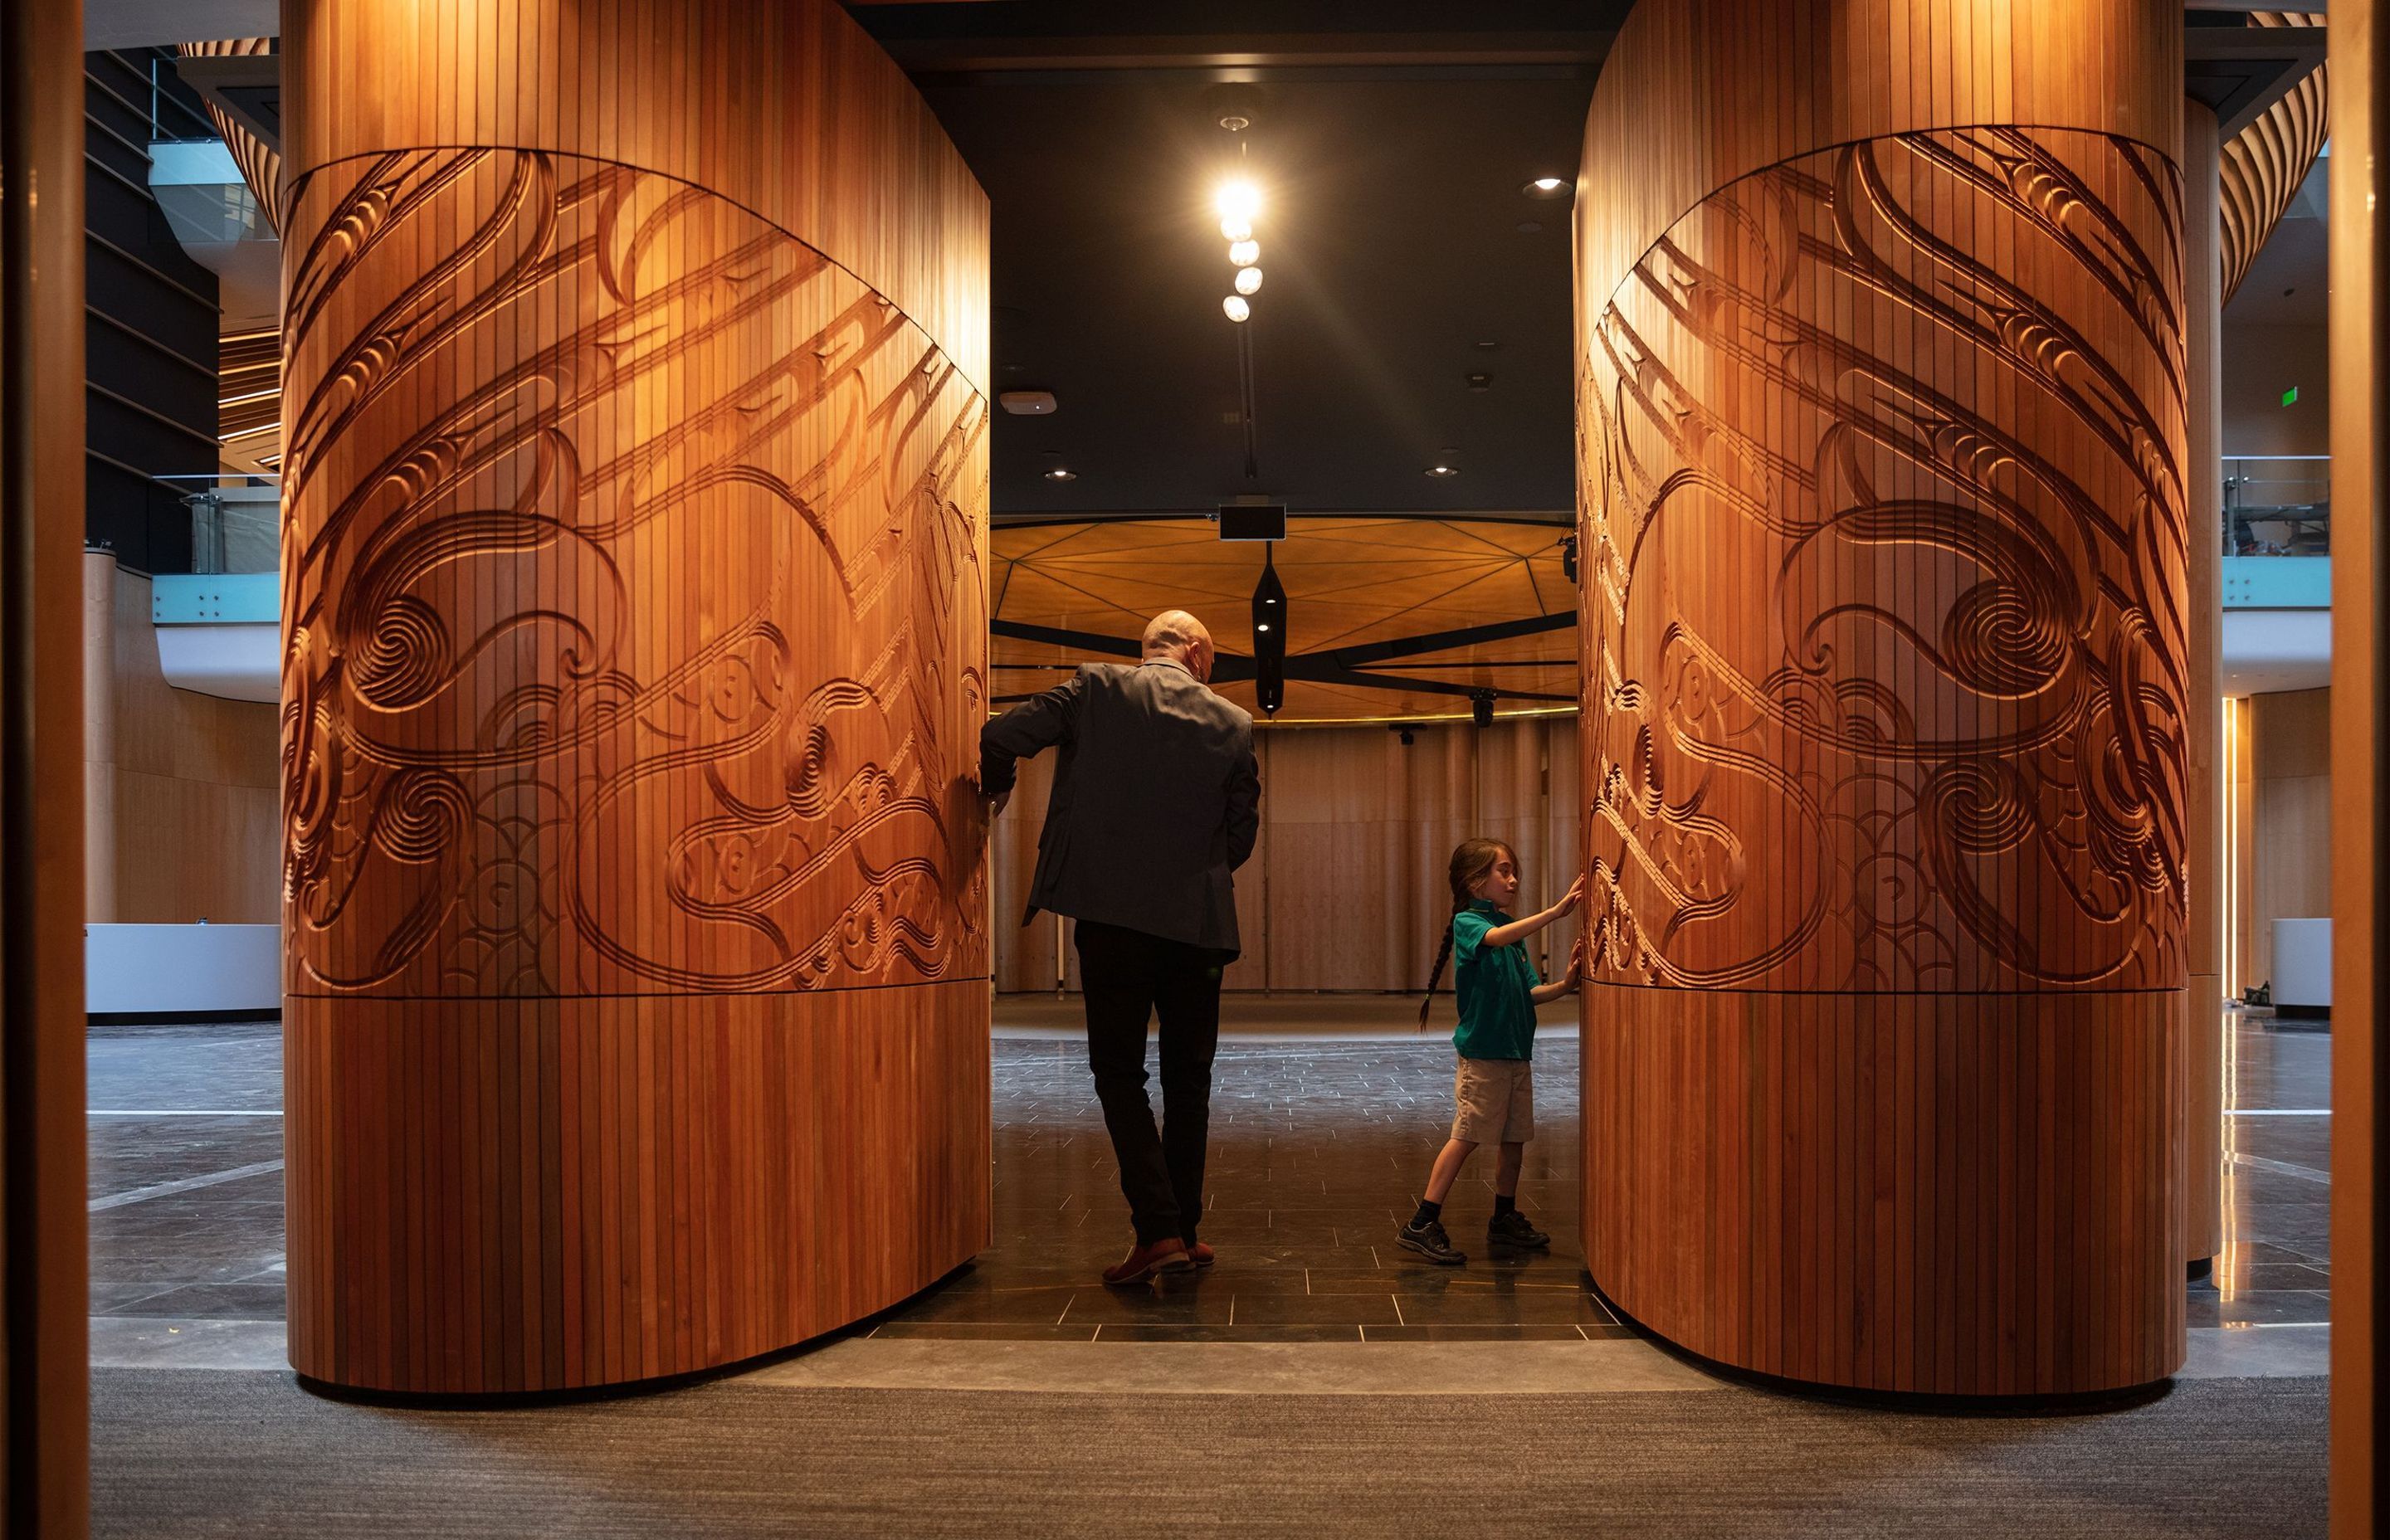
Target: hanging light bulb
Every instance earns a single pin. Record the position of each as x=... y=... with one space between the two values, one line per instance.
x=1248 y=279
x=1245 y=254
x=1236 y=229
x=1239 y=202
x=1236 y=307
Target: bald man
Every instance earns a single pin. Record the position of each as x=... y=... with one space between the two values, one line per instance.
x=1156 y=801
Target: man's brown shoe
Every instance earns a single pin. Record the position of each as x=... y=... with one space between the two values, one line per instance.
x=1199 y=1255
x=1144 y=1262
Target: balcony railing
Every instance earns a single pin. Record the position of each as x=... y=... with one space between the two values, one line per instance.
x=2278 y=505
x=236 y=523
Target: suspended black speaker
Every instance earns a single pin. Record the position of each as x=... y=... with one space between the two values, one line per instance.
x=1270 y=638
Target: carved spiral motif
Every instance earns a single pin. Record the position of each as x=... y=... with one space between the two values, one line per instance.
x=1998 y=642
x=636 y=608
x=1884 y=579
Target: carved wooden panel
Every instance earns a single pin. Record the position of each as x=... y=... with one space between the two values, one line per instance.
x=635 y=577
x=1883 y=442
x=2266 y=163
x=651 y=658
x=1886 y=555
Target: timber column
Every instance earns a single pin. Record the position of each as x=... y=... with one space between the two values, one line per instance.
x=635 y=633
x=1881 y=423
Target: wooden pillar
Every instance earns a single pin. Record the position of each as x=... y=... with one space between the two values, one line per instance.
x=635 y=660
x=2203 y=309
x=2360 y=1071
x=44 y=1285
x=1882 y=402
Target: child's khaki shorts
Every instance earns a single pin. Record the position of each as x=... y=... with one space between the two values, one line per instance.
x=1496 y=1098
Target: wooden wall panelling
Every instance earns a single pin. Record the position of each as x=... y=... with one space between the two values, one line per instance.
x=1024 y=955
x=2360 y=1158
x=1346 y=888
x=1514 y=804
x=1252 y=968
x=635 y=660
x=2204 y=869
x=1884 y=618
x=2289 y=816
x=192 y=790
x=1338 y=887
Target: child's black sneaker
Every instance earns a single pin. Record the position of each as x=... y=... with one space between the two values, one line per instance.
x=1430 y=1241
x=1513 y=1230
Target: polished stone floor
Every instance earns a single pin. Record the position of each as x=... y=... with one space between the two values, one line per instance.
x=1319 y=1146
x=2277 y=1260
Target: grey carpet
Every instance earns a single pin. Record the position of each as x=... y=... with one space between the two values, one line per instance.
x=188 y=1453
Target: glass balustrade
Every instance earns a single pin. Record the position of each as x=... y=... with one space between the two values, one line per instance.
x=2278 y=505
x=236 y=523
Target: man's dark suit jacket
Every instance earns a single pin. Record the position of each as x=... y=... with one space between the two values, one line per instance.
x=1156 y=798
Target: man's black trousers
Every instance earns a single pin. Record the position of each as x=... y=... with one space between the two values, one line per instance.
x=1128 y=977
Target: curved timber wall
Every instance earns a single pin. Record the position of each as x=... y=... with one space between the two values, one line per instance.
x=634 y=648
x=1882 y=421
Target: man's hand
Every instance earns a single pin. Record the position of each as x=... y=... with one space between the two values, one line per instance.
x=995 y=805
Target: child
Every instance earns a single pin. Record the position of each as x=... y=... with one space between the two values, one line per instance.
x=1499 y=990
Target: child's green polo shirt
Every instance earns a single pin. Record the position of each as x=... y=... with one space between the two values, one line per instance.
x=1497 y=1013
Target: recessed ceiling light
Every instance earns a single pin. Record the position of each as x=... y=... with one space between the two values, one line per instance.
x=1531 y=227
x=1442 y=472
x=1489 y=346
x=1058 y=474
x=1549 y=186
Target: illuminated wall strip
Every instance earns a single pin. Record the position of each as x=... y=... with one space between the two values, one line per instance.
x=2229 y=878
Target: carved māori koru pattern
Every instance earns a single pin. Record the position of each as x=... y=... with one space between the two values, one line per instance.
x=634 y=633
x=1883 y=602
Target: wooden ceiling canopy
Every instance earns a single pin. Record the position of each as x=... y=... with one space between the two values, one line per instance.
x=1389 y=618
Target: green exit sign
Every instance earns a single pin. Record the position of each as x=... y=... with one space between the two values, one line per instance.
x=2291 y=396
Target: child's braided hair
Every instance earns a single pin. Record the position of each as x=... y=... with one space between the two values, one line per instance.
x=1472 y=859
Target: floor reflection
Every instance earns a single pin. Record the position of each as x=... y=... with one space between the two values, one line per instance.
x=1319 y=1146
x=2276 y=1265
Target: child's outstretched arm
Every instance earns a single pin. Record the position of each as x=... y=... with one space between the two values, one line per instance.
x=1520 y=930
x=1566 y=983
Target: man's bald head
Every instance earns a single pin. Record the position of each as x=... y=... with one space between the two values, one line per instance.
x=1178 y=636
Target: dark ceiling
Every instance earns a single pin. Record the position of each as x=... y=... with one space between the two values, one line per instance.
x=1391 y=141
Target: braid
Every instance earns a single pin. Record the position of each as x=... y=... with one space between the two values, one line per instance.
x=1442 y=956
x=1470 y=861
